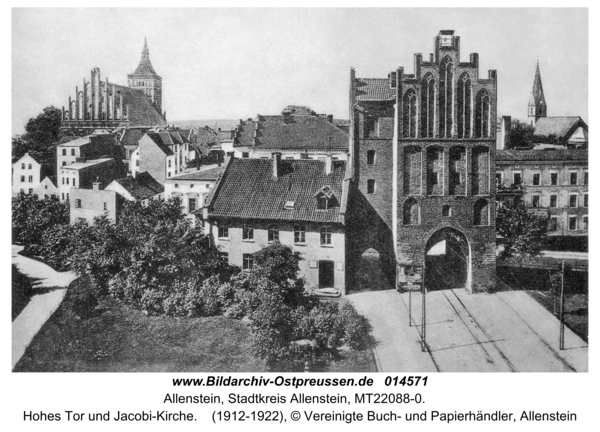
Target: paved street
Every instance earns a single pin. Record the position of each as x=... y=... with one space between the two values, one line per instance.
x=503 y=332
x=41 y=306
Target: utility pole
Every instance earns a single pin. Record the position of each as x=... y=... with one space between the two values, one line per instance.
x=562 y=307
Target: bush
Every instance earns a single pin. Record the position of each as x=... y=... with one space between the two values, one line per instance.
x=83 y=298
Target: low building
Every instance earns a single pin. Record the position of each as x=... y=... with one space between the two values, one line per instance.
x=48 y=188
x=193 y=187
x=28 y=173
x=554 y=183
x=81 y=175
x=161 y=153
x=88 y=204
x=298 y=133
x=142 y=188
x=571 y=132
x=298 y=203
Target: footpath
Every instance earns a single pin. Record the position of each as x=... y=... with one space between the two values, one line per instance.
x=52 y=287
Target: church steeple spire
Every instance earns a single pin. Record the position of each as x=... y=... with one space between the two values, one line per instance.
x=537 y=101
x=145 y=66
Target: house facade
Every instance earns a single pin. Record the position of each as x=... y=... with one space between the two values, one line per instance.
x=193 y=188
x=28 y=174
x=82 y=175
x=553 y=183
x=161 y=153
x=298 y=203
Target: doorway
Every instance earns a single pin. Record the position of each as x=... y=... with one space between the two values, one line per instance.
x=447 y=260
x=326 y=277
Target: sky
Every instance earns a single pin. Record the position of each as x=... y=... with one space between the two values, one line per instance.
x=236 y=63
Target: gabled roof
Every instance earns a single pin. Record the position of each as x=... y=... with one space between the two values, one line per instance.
x=205 y=174
x=131 y=137
x=297 y=132
x=561 y=127
x=140 y=110
x=374 y=89
x=247 y=190
x=165 y=139
x=541 y=155
x=141 y=187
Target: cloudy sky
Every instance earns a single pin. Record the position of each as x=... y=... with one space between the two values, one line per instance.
x=236 y=63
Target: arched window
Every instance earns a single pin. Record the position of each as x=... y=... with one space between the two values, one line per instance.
x=482 y=114
x=458 y=171
x=435 y=171
x=445 y=99
x=481 y=213
x=410 y=115
x=427 y=106
x=411 y=212
x=463 y=95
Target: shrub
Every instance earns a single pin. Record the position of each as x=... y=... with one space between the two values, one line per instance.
x=83 y=298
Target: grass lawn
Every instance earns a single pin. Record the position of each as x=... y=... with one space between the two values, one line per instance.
x=576 y=310
x=119 y=339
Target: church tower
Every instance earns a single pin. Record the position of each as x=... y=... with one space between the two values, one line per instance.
x=147 y=80
x=537 y=102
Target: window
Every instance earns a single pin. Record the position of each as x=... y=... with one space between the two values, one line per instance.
x=498 y=178
x=299 y=234
x=325 y=236
x=77 y=203
x=45 y=186
x=224 y=256
x=245 y=155
x=554 y=179
x=72 y=152
x=67 y=180
x=536 y=179
x=553 y=224
x=67 y=197
x=552 y=200
x=585 y=178
x=22 y=179
x=464 y=106
x=223 y=232
x=191 y=204
x=573 y=178
x=63 y=195
x=273 y=234
x=22 y=166
x=104 y=206
x=585 y=223
x=64 y=152
x=370 y=186
x=247 y=233
x=137 y=163
x=517 y=178
x=30 y=191
x=410 y=114
x=572 y=223
x=370 y=157
x=169 y=174
x=585 y=200
x=64 y=163
x=169 y=163
x=63 y=180
x=481 y=214
x=427 y=106
x=73 y=182
x=322 y=203
x=434 y=178
x=289 y=205
x=535 y=201
x=410 y=215
x=572 y=200
x=482 y=114
x=446 y=210
x=30 y=179
x=248 y=262
x=29 y=166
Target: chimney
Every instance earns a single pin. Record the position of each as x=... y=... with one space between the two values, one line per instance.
x=287 y=115
x=328 y=163
x=276 y=165
x=330 y=118
x=96 y=184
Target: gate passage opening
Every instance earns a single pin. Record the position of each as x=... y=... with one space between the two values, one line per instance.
x=447 y=260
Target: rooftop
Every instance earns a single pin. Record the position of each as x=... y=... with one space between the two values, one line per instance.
x=86 y=164
x=541 y=155
x=558 y=126
x=247 y=190
x=206 y=174
x=141 y=187
x=374 y=89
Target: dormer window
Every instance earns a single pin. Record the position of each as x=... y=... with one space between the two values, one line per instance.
x=289 y=205
x=325 y=198
x=322 y=202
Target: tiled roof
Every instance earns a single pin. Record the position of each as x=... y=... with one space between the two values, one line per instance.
x=142 y=186
x=374 y=89
x=247 y=190
x=558 y=126
x=141 y=112
x=206 y=174
x=131 y=137
x=541 y=155
x=165 y=139
x=93 y=138
x=145 y=66
x=297 y=133
x=86 y=164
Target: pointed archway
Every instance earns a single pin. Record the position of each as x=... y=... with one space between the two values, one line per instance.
x=447 y=260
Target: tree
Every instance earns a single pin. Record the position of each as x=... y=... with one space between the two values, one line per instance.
x=520 y=135
x=290 y=327
x=31 y=217
x=520 y=232
x=42 y=133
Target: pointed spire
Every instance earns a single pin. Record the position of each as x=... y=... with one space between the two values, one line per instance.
x=145 y=66
x=537 y=94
